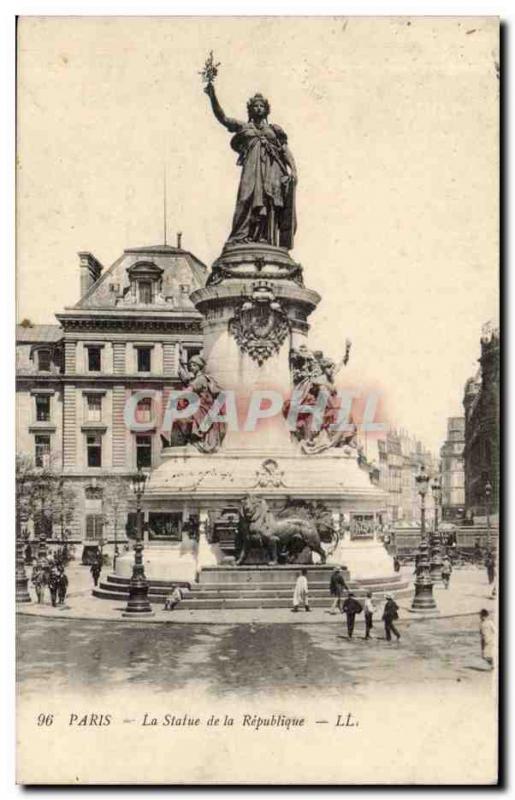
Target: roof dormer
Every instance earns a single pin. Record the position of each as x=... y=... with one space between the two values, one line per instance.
x=146 y=282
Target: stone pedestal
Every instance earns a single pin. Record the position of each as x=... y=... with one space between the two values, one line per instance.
x=255 y=309
x=167 y=562
x=363 y=558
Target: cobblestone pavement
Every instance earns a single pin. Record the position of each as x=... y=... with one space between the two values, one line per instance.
x=243 y=658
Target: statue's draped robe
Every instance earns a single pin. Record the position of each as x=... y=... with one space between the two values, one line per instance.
x=265 y=201
x=189 y=430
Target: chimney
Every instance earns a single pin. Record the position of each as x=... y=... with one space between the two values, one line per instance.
x=179 y=238
x=90 y=271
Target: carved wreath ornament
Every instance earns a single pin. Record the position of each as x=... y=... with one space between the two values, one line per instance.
x=261 y=325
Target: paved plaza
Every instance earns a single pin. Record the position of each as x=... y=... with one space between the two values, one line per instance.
x=468 y=593
x=273 y=647
x=76 y=654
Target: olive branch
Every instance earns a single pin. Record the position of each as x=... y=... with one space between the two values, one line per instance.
x=210 y=69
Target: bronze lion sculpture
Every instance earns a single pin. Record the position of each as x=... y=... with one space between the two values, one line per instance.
x=259 y=527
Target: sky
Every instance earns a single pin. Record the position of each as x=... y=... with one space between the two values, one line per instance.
x=393 y=123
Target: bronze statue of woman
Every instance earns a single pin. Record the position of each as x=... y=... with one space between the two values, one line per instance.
x=265 y=205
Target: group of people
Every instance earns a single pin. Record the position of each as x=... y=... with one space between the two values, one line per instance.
x=52 y=575
x=350 y=606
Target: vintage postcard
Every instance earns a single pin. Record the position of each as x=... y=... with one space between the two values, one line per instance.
x=257 y=377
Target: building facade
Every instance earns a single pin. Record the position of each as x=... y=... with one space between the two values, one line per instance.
x=481 y=404
x=401 y=457
x=452 y=471
x=132 y=326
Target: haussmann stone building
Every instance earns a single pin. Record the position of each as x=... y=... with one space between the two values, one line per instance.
x=131 y=325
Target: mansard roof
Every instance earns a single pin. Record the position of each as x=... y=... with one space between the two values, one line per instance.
x=35 y=334
x=179 y=272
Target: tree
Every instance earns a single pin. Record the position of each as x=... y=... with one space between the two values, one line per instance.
x=42 y=496
x=115 y=502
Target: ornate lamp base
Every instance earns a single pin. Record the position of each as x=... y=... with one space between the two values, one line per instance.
x=22 y=590
x=138 y=604
x=423 y=600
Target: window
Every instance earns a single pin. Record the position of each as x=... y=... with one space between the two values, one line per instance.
x=94 y=526
x=164 y=526
x=192 y=350
x=42 y=408
x=94 y=449
x=143 y=452
x=44 y=360
x=94 y=407
x=42 y=454
x=144 y=410
x=144 y=359
x=145 y=291
x=94 y=359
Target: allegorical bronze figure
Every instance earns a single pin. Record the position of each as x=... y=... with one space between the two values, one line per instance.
x=265 y=205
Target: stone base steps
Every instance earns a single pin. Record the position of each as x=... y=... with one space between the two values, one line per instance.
x=252 y=587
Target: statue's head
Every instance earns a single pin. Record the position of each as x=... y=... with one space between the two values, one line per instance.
x=258 y=107
x=196 y=364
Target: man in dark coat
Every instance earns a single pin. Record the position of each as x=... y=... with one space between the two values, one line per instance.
x=337 y=587
x=350 y=608
x=96 y=569
x=62 y=586
x=53 y=585
x=390 y=613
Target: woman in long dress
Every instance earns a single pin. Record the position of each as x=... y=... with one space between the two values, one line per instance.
x=265 y=205
x=487 y=635
x=300 y=592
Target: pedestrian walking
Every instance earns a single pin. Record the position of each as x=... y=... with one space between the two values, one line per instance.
x=446 y=571
x=62 y=586
x=28 y=555
x=53 y=585
x=38 y=582
x=396 y=564
x=350 y=608
x=369 y=614
x=487 y=634
x=173 y=598
x=337 y=587
x=96 y=569
x=390 y=613
x=490 y=567
x=300 y=593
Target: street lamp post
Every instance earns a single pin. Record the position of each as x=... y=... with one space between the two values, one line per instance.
x=138 y=604
x=22 y=588
x=491 y=548
x=488 y=499
x=436 y=552
x=116 y=551
x=42 y=556
x=423 y=599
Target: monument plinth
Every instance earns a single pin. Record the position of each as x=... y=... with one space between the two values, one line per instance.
x=296 y=491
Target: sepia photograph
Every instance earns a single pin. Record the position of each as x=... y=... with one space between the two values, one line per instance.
x=257 y=400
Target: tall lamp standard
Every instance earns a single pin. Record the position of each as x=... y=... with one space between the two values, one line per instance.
x=488 y=500
x=22 y=589
x=436 y=552
x=42 y=555
x=138 y=604
x=423 y=599
x=491 y=549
